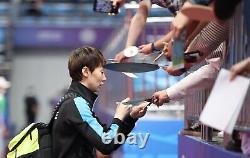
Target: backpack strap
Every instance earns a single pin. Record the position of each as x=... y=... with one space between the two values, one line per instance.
x=58 y=105
x=64 y=98
x=24 y=136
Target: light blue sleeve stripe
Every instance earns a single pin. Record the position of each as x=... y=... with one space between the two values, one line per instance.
x=86 y=114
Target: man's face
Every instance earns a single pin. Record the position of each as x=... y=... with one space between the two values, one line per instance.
x=96 y=79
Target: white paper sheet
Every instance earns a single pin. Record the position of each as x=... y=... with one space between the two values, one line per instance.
x=132 y=75
x=225 y=101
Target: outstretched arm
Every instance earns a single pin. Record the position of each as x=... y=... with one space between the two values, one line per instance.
x=138 y=22
x=201 y=79
x=136 y=26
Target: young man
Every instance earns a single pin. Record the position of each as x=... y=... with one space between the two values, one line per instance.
x=76 y=131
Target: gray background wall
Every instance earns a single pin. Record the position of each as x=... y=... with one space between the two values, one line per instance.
x=46 y=72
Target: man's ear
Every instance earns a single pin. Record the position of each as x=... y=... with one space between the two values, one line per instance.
x=85 y=71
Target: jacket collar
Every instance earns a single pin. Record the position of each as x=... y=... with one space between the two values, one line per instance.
x=83 y=91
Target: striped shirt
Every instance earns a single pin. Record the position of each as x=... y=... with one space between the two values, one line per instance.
x=210 y=42
x=211 y=39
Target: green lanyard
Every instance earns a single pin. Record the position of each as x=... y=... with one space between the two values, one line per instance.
x=2 y=104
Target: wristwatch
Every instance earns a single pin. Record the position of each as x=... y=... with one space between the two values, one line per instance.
x=153 y=48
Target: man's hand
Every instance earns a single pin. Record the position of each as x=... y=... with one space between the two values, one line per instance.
x=139 y=110
x=241 y=68
x=170 y=71
x=120 y=57
x=122 y=110
x=145 y=49
x=160 y=97
x=180 y=21
x=168 y=48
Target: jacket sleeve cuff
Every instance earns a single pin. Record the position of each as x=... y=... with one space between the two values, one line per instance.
x=130 y=120
x=127 y=124
x=172 y=93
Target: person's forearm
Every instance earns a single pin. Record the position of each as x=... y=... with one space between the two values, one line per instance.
x=196 y=81
x=246 y=69
x=159 y=43
x=137 y=24
x=248 y=61
x=241 y=68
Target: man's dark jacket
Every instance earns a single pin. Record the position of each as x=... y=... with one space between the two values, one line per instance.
x=77 y=132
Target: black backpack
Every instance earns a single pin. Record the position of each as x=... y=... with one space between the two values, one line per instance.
x=35 y=141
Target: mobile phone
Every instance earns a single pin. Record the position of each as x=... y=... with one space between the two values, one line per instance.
x=178 y=53
x=193 y=56
x=105 y=6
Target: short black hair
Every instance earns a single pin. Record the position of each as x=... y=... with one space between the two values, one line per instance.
x=85 y=56
x=224 y=9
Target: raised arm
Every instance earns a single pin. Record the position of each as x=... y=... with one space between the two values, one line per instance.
x=202 y=78
x=136 y=26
